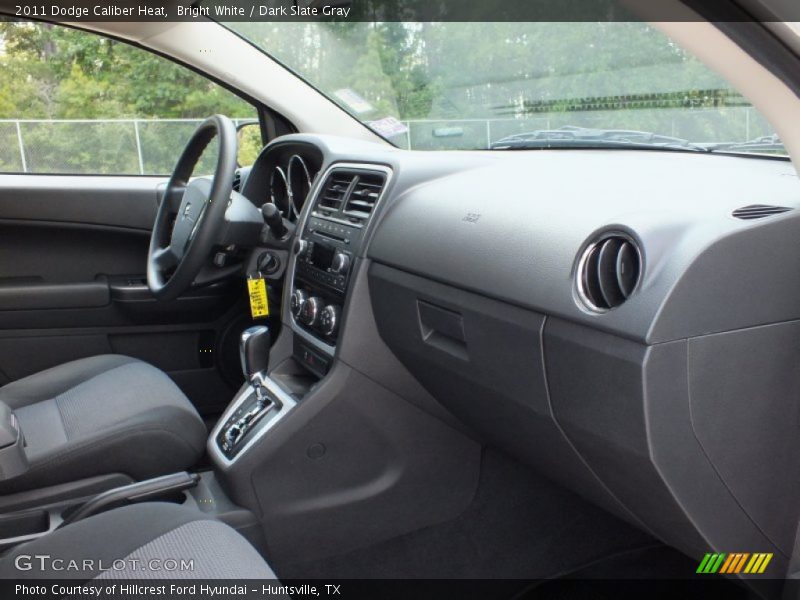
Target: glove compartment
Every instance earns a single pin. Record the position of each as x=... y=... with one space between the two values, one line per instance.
x=482 y=359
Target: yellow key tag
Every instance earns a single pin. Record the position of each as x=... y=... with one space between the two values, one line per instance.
x=257 y=290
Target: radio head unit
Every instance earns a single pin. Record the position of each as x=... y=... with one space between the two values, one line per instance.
x=329 y=242
x=325 y=253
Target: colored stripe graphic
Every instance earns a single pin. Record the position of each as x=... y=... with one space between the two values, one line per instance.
x=704 y=563
x=715 y=567
x=727 y=564
x=735 y=562
x=730 y=565
x=754 y=563
x=740 y=565
x=758 y=563
x=764 y=564
x=711 y=563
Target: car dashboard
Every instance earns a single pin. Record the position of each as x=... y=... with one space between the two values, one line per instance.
x=624 y=321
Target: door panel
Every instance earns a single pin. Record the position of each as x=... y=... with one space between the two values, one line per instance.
x=22 y=294
x=52 y=252
x=72 y=284
x=21 y=356
x=128 y=202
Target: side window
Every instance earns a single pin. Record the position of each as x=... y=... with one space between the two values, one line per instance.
x=73 y=102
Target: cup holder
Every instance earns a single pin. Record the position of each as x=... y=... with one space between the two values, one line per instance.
x=175 y=498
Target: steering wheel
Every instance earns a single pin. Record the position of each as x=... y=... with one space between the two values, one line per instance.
x=191 y=213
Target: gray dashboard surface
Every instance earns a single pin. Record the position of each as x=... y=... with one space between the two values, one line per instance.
x=513 y=226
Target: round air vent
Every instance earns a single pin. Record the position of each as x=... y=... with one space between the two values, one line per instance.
x=609 y=271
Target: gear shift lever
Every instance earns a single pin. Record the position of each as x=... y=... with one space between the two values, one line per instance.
x=254 y=350
x=254 y=354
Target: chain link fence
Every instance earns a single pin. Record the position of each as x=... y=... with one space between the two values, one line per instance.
x=723 y=124
x=97 y=147
x=152 y=146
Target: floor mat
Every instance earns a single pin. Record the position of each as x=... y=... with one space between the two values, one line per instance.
x=519 y=526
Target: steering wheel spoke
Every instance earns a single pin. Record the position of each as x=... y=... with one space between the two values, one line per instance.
x=165 y=258
x=173 y=197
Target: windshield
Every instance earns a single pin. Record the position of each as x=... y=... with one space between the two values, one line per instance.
x=433 y=86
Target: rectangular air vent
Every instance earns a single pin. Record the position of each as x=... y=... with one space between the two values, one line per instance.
x=237 y=180
x=366 y=190
x=759 y=211
x=334 y=191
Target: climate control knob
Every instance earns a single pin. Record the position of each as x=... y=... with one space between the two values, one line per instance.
x=299 y=298
x=311 y=310
x=341 y=263
x=329 y=319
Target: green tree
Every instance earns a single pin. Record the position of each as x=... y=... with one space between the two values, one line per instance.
x=51 y=72
x=57 y=70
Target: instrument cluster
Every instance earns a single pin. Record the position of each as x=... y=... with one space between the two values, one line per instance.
x=289 y=185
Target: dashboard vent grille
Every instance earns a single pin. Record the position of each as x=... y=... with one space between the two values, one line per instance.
x=759 y=211
x=237 y=180
x=366 y=191
x=610 y=271
x=334 y=191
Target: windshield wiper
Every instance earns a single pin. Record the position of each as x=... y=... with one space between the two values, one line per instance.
x=766 y=142
x=585 y=137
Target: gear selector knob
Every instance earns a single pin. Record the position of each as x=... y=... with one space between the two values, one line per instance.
x=254 y=350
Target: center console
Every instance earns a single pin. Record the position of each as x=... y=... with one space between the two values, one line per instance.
x=332 y=233
x=259 y=404
x=331 y=237
x=254 y=411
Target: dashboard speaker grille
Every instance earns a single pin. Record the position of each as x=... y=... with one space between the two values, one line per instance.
x=610 y=271
x=759 y=211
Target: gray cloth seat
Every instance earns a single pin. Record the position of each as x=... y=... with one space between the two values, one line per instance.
x=101 y=415
x=140 y=541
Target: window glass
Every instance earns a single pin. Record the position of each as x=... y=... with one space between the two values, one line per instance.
x=468 y=85
x=75 y=102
